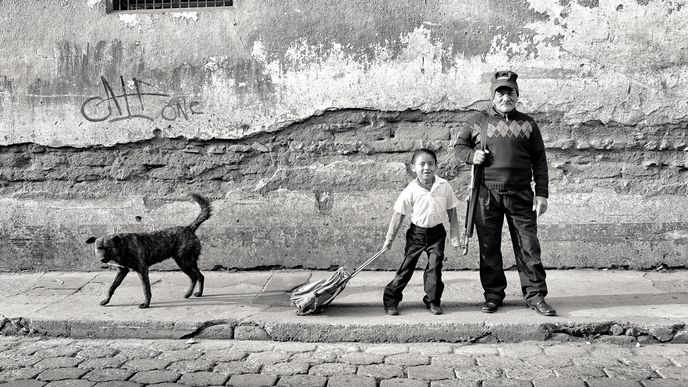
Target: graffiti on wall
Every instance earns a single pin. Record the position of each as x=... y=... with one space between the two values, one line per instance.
x=136 y=103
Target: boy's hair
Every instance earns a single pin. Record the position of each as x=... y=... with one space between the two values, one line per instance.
x=420 y=151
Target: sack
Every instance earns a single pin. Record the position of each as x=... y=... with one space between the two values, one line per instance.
x=313 y=297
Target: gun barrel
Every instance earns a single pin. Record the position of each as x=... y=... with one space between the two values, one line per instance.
x=470 y=206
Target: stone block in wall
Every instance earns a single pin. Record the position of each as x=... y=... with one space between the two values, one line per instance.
x=336 y=177
x=15 y=159
x=634 y=170
x=421 y=131
x=681 y=337
x=168 y=173
x=92 y=158
x=371 y=133
x=396 y=145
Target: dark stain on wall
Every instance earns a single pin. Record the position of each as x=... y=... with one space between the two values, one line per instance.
x=5 y=84
x=78 y=73
x=5 y=92
x=81 y=70
x=184 y=79
x=361 y=27
x=324 y=200
x=83 y=66
x=251 y=77
x=589 y=3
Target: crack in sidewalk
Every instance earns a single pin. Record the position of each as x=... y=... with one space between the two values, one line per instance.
x=75 y=291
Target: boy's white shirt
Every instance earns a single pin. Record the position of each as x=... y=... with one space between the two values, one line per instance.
x=427 y=208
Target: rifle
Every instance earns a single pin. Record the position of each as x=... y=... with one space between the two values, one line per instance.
x=473 y=190
x=471 y=202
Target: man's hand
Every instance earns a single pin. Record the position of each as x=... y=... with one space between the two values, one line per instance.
x=539 y=205
x=479 y=156
x=387 y=245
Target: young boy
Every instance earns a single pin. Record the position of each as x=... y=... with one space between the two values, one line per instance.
x=429 y=200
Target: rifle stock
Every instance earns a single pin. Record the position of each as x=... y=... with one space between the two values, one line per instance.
x=471 y=202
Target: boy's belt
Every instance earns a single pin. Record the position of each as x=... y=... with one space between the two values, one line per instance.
x=427 y=228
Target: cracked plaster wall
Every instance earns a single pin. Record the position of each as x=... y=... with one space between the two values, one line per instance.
x=298 y=117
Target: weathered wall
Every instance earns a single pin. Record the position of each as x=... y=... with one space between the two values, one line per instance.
x=297 y=118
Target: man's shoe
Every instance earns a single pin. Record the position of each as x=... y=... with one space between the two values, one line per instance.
x=543 y=308
x=435 y=309
x=392 y=311
x=490 y=306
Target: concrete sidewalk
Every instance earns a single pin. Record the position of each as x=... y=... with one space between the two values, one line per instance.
x=615 y=306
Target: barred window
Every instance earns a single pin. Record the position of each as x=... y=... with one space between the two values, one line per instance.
x=132 y=5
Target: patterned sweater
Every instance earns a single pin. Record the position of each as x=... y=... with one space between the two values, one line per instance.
x=517 y=152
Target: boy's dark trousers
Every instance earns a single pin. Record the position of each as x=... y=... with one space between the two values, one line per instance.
x=517 y=206
x=419 y=240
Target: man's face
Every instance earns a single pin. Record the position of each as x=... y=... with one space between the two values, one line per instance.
x=505 y=99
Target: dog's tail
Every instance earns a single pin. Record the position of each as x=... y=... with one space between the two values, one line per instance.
x=206 y=211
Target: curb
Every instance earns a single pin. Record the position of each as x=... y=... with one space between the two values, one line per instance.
x=608 y=331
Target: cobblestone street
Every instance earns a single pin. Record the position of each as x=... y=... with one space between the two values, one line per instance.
x=67 y=362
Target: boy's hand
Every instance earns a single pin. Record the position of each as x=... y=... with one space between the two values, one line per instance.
x=387 y=245
x=455 y=242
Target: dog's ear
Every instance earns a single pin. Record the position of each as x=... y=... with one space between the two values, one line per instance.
x=116 y=240
x=91 y=240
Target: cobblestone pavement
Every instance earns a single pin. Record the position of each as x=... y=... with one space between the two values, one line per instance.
x=68 y=362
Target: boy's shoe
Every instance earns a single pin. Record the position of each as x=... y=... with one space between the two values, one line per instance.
x=543 y=308
x=392 y=311
x=490 y=306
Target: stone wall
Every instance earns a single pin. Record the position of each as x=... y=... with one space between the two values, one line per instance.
x=298 y=119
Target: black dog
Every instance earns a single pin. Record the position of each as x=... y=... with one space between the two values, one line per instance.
x=139 y=251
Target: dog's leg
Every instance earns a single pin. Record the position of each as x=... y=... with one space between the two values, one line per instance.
x=145 y=281
x=201 y=280
x=123 y=271
x=189 y=271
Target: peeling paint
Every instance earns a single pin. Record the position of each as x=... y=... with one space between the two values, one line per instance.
x=678 y=235
x=345 y=81
x=614 y=46
x=130 y=20
x=92 y=3
x=192 y=16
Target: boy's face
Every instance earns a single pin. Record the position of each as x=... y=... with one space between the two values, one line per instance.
x=425 y=167
x=505 y=99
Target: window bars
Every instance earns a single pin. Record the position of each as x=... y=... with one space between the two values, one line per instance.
x=132 y=5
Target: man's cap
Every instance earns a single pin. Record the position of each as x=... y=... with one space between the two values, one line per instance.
x=502 y=79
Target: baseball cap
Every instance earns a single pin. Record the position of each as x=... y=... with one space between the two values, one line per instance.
x=502 y=79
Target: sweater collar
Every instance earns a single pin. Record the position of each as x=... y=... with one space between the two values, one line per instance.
x=493 y=112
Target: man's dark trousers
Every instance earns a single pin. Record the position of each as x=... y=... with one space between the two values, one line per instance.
x=517 y=207
x=419 y=240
